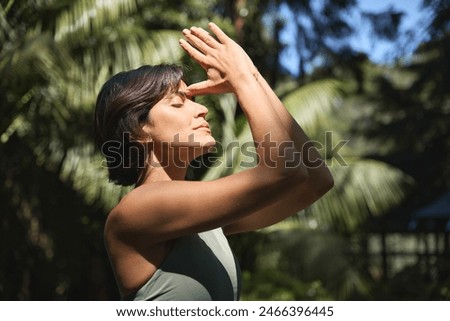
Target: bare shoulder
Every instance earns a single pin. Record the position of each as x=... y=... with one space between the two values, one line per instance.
x=165 y=210
x=120 y=217
x=149 y=208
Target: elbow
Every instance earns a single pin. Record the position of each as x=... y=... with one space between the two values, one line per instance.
x=287 y=178
x=290 y=175
x=302 y=175
x=326 y=183
x=297 y=176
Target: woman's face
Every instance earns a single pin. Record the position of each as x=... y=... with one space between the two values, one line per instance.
x=179 y=121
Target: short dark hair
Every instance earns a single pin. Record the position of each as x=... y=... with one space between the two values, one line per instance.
x=121 y=111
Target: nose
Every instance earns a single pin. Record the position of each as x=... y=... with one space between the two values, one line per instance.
x=200 y=111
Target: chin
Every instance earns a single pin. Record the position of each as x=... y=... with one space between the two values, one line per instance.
x=205 y=141
x=208 y=145
x=210 y=142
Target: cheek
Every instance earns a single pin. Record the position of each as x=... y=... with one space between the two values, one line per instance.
x=166 y=127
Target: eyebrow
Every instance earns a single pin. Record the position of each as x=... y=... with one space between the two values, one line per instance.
x=184 y=96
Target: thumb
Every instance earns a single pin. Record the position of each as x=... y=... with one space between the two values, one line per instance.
x=200 y=88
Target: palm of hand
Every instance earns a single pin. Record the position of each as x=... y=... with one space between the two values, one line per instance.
x=223 y=60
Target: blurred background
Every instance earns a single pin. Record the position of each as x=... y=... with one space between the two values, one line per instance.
x=368 y=80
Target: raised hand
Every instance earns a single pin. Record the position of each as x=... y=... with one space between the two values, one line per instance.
x=225 y=62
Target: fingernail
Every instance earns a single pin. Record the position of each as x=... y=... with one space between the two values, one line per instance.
x=185 y=31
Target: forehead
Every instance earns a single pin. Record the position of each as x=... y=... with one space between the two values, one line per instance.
x=183 y=86
x=178 y=92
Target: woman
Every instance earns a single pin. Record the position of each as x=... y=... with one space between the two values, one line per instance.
x=166 y=237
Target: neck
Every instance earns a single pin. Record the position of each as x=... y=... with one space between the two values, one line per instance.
x=159 y=174
x=171 y=167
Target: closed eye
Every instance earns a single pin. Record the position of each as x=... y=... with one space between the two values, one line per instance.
x=177 y=101
x=183 y=96
x=179 y=98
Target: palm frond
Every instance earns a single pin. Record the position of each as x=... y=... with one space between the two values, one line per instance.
x=313 y=104
x=6 y=30
x=18 y=124
x=36 y=59
x=84 y=169
x=86 y=16
x=306 y=255
x=362 y=189
x=98 y=65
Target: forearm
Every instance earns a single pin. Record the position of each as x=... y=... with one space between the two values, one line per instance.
x=317 y=170
x=274 y=144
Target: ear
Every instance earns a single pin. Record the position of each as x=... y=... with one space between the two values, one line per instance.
x=146 y=129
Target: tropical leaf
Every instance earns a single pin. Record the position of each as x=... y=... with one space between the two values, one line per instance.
x=98 y=64
x=313 y=105
x=41 y=105
x=309 y=255
x=363 y=188
x=84 y=168
x=87 y=16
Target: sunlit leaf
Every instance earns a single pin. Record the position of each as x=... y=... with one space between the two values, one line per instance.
x=86 y=16
x=85 y=170
x=362 y=189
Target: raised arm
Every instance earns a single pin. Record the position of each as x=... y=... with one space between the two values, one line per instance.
x=228 y=70
x=319 y=179
x=319 y=176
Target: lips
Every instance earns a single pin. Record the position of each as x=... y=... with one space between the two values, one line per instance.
x=204 y=125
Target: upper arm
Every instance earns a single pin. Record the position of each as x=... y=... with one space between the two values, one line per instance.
x=166 y=210
x=292 y=202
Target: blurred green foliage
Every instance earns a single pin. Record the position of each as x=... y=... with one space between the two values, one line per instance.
x=55 y=195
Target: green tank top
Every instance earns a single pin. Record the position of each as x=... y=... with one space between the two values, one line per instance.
x=199 y=267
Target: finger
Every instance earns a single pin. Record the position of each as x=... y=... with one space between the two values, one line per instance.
x=196 y=42
x=198 y=56
x=200 y=88
x=205 y=36
x=223 y=38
